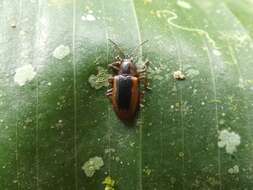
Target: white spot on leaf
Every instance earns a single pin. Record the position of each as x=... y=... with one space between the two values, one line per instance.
x=234 y=170
x=61 y=51
x=184 y=4
x=88 y=17
x=216 y=52
x=92 y=165
x=24 y=74
x=229 y=140
x=100 y=80
x=192 y=72
x=178 y=75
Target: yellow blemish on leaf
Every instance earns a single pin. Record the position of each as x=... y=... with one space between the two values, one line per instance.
x=147 y=170
x=147 y=1
x=109 y=183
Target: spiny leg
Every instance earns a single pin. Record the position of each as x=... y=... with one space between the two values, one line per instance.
x=142 y=100
x=109 y=94
x=147 y=63
x=144 y=69
x=143 y=80
x=109 y=90
x=143 y=75
x=110 y=80
x=116 y=63
x=113 y=67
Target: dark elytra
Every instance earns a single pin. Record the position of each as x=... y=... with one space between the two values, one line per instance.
x=124 y=87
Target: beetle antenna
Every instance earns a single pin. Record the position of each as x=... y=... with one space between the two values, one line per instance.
x=137 y=48
x=117 y=47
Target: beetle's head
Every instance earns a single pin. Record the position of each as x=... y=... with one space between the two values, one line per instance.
x=127 y=66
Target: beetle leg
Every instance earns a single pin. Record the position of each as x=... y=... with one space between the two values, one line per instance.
x=144 y=69
x=110 y=80
x=142 y=97
x=109 y=93
x=109 y=90
x=116 y=63
x=147 y=63
x=143 y=77
x=141 y=72
x=114 y=67
x=144 y=81
x=142 y=94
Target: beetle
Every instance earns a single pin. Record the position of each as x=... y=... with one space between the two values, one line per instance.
x=125 y=92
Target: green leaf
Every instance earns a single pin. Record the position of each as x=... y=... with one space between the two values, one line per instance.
x=59 y=131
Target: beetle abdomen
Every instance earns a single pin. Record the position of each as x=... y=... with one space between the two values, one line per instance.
x=125 y=96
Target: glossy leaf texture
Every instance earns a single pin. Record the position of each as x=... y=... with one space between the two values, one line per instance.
x=54 y=116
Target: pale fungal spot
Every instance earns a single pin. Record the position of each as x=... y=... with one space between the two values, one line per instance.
x=173 y=180
x=181 y=154
x=13 y=23
x=117 y=159
x=184 y=4
x=221 y=122
x=109 y=150
x=216 y=52
x=239 y=37
x=88 y=17
x=100 y=80
x=178 y=75
x=24 y=74
x=192 y=72
x=132 y=144
x=61 y=51
x=241 y=83
x=234 y=170
x=229 y=140
x=92 y=165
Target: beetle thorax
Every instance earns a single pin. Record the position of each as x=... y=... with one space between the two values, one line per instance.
x=127 y=67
